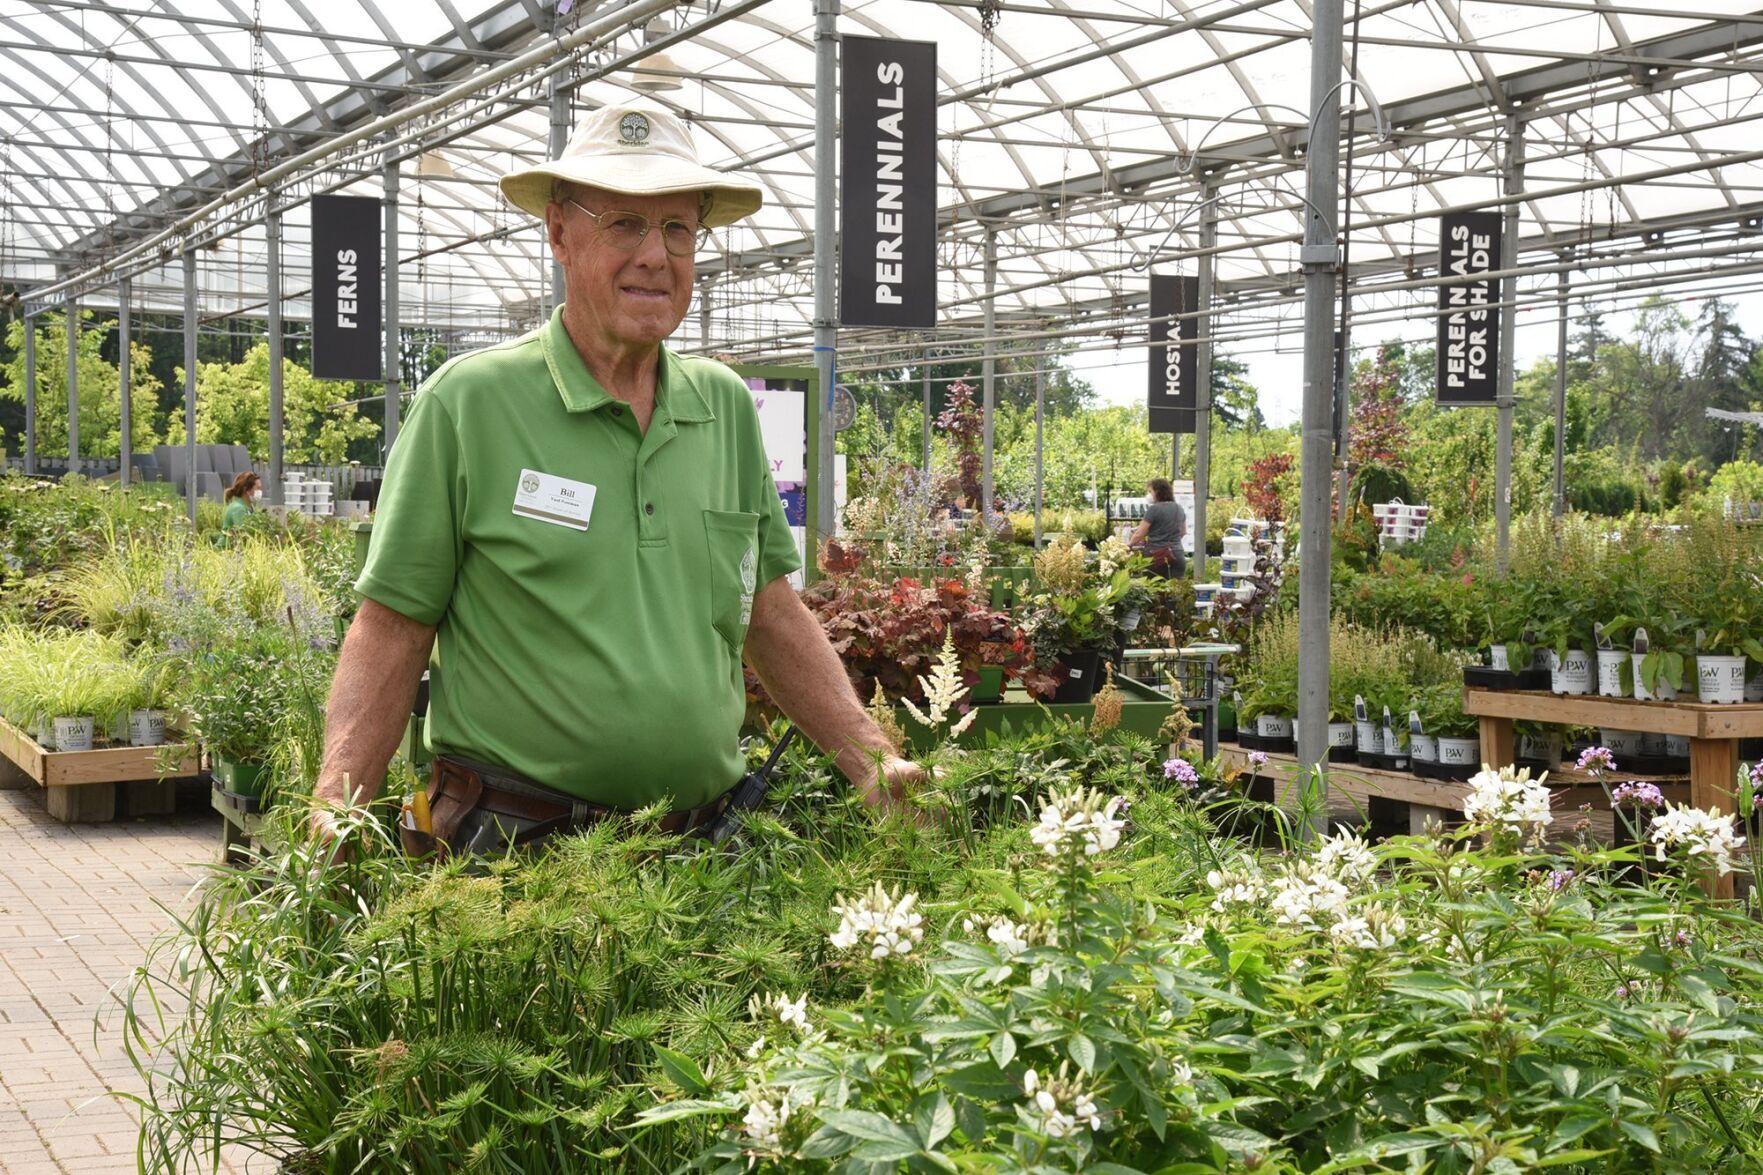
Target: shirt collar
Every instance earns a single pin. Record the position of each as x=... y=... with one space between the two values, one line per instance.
x=678 y=396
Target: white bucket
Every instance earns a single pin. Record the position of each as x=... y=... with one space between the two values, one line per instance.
x=1720 y=680
x=1340 y=734
x=1623 y=744
x=1500 y=658
x=1460 y=752
x=1754 y=686
x=1677 y=746
x=1572 y=675
x=146 y=728
x=1368 y=738
x=1273 y=726
x=1653 y=744
x=1424 y=748
x=1613 y=673
x=73 y=734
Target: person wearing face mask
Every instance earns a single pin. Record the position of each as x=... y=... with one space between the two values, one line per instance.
x=240 y=497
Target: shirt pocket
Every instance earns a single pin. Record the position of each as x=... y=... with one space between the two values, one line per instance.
x=733 y=538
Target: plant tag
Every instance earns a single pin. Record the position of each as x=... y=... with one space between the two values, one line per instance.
x=1598 y=638
x=556 y=500
x=1701 y=635
x=1360 y=713
x=1641 y=644
x=1389 y=731
x=1414 y=730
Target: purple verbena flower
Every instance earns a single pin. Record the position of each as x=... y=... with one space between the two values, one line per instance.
x=1257 y=759
x=1622 y=991
x=1640 y=795
x=1182 y=772
x=1596 y=759
x=1559 y=879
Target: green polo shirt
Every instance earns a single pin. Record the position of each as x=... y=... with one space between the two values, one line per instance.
x=603 y=662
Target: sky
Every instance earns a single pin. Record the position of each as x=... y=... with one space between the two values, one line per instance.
x=1276 y=367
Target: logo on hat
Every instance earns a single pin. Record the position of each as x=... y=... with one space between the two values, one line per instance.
x=530 y=483
x=633 y=128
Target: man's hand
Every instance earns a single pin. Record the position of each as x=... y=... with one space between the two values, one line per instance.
x=888 y=782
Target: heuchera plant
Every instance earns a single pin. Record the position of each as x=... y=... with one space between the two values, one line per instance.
x=891 y=631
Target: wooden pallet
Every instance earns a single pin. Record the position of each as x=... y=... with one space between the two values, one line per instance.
x=1713 y=732
x=83 y=786
x=1352 y=788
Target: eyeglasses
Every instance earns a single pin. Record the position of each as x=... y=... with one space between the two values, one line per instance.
x=627 y=230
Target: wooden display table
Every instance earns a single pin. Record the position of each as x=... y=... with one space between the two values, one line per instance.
x=1713 y=732
x=81 y=786
x=1351 y=789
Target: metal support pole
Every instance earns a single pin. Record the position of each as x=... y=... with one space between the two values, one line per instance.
x=1203 y=377
x=30 y=396
x=826 y=195
x=1040 y=460
x=1174 y=456
x=124 y=392
x=927 y=412
x=72 y=311
x=988 y=375
x=703 y=314
x=1561 y=394
x=190 y=383
x=559 y=140
x=1319 y=255
x=393 y=326
x=277 y=411
x=1514 y=183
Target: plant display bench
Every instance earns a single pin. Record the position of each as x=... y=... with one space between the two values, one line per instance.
x=1356 y=791
x=81 y=787
x=241 y=823
x=1713 y=732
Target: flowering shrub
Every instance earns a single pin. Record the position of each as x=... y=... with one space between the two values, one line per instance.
x=1507 y=802
x=1702 y=838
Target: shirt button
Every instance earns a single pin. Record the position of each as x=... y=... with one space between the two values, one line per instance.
x=617 y=410
x=648 y=507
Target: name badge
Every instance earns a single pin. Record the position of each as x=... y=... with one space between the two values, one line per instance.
x=556 y=500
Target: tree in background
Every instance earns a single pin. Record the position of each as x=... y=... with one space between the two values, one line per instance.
x=232 y=408
x=99 y=391
x=1236 y=403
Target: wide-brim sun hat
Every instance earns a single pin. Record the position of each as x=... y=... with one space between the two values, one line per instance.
x=635 y=151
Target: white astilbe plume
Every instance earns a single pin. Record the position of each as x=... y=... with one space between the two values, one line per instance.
x=1059 y=1105
x=943 y=691
x=1111 y=554
x=1080 y=819
x=1508 y=801
x=888 y=925
x=1708 y=835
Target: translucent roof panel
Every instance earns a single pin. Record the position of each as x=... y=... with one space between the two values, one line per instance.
x=1080 y=137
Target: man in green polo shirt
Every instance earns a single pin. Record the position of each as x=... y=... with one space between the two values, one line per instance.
x=586 y=524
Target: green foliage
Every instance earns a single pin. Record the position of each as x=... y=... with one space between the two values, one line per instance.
x=100 y=392
x=232 y=407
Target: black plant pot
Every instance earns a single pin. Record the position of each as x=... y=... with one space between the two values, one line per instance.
x=1078 y=675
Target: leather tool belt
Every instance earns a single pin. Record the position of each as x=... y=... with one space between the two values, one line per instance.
x=480 y=808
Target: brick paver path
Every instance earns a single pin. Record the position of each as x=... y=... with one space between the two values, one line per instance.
x=77 y=911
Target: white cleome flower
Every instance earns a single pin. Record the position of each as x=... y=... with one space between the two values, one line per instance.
x=1079 y=820
x=788 y=1012
x=1235 y=889
x=887 y=924
x=1708 y=835
x=1061 y=1106
x=1306 y=897
x=1346 y=857
x=1508 y=800
x=768 y=1112
x=1372 y=928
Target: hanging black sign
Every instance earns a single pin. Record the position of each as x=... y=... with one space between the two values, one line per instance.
x=346 y=325
x=888 y=183
x=1469 y=330
x=1174 y=370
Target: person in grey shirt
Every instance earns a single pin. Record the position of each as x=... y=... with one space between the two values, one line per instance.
x=1161 y=532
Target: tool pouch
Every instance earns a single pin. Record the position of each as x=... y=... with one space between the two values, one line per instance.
x=454 y=793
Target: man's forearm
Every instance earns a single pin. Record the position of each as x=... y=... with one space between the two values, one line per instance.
x=371 y=698
x=804 y=676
